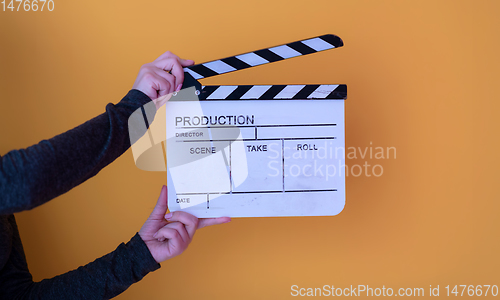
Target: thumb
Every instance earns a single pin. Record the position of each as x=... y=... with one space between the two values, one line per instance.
x=161 y=206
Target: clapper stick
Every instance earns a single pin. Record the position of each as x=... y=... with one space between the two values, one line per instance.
x=273 y=92
x=260 y=57
x=264 y=56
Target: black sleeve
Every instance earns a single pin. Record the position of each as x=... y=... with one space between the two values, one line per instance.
x=103 y=278
x=32 y=176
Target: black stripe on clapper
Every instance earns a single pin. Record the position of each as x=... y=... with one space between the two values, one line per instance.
x=207 y=91
x=301 y=48
x=236 y=63
x=238 y=92
x=272 y=92
x=306 y=91
x=203 y=71
x=339 y=93
x=332 y=40
x=268 y=55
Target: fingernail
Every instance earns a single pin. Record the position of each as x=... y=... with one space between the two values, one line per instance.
x=154 y=235
x=168 y=216
x=178 y=87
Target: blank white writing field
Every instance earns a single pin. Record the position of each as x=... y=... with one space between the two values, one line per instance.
x=232 y=133
x=277 y=204
x=261 y=159
x=309 y=131
x=200 y=167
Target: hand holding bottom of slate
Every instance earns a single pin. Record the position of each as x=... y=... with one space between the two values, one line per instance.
x=168 y=235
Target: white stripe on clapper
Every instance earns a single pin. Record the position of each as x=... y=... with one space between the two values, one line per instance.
x=322 y=91
x=252 y=59
x=219 y=66
x=256 y=91
x=193 y=73
x=318 y=44
x=285 y=51
x=222 y=92
x=289 y=91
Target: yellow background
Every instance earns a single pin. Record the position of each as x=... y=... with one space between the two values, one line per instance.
x=422 y=76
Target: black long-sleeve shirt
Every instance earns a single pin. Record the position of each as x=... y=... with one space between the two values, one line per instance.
x=37 y=174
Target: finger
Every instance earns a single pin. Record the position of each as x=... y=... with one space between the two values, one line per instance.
x=181 y=230
x=167 y=54
x=161 y=205
x=178 y=73
x=213 y=221
x=155 y=85
x=168 y=233
x=172 y=65
x=168 y=77
x=186 y=62
x=166 y=63
x=163 y=86
x=183 y=62
x=189 y=221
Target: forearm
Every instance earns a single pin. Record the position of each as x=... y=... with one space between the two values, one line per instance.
x=32 y=176
x=103 y=278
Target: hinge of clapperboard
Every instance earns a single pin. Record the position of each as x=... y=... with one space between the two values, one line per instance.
x=261 y=57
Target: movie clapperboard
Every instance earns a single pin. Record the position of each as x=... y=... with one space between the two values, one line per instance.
x=256 y=150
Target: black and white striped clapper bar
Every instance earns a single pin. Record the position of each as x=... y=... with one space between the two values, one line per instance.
x=257 y=150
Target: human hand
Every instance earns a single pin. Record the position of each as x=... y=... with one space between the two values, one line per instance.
x=162 y=76
x=169 y=235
